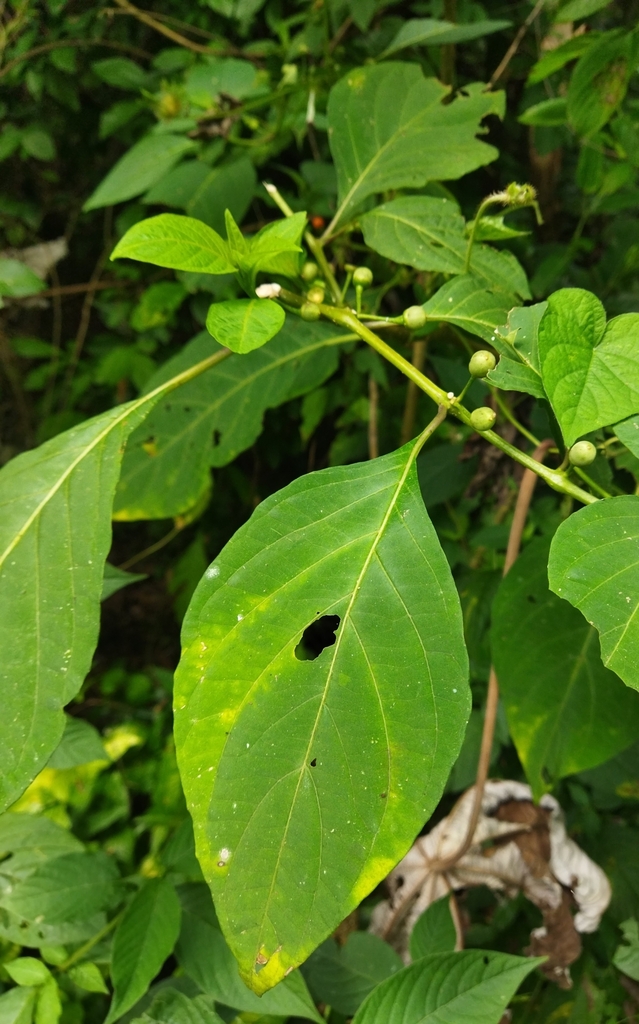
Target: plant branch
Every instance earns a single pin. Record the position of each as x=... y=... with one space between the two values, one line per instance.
x=59 y=43
x=93 y=941
x=164 y=30
x=152 y=548
x=554 y=478
x=412 y=391
x=514 y=46
x=311 y=242
x=526 y=489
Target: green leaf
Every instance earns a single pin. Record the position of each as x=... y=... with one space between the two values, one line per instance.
x=121 y=72
x=48 y=1003
x=594 y=560
x=115 y=579
x=244 y=324
x=600 y=80
x=342 y=976
x=144 y=164
x=430 y=32
x=518 y=345
x=590 y=369
x=68 y=888
x=16 y=1006
x=205 y=957
x=214 y=75
x=556 y=59
x=628 y=433
x=17 y=280
x=80 y=744
x=31 y=840
x=433 y=931
x=566 y=712
x=206 y=192
x=157 y=304
x=471 y=987
x=626 y=958
x=55 y=533
x=443 y=474
x=172 y=1007
x=547 y=114
x=575 y=9
x=180 y=243
x=142 y=942
x=26 y=970
x=88 y=977
x=166 y=467
x=272 y=250
x=389 y=128
x=296 y=819
x=465 y=303
x=430 y=234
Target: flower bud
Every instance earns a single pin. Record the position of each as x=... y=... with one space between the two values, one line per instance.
x=363 y=276
x=309 y=271
x=315 y=294
x=483 y=418
x=414 y=317
x=310 y=311
x=481 y=363
x=582 y=453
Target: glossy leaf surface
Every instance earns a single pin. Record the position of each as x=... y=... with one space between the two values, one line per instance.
x=166 y=467
x=180 y=243
x=389 y=128
x=429 y=234
x=308 y=779
x=517 y=343
x=471 y=987
x=590 y=369
x=144 y=164
x=142 y=942
x=594 y=564
x=244 y=324
x=466 y=303
x=205 y=957
x=55 y=533
x=566 y=711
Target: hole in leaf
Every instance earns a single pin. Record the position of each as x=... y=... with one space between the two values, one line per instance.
x=217 y=437
x=316 y=637
x=314 y=762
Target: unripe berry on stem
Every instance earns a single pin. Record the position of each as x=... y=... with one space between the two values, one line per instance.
x=414 y=317
x=315 y=294
x=582 y=453
x=363 y=276
x=483 y=418
x=481 y=363
x=310 y=271
x=310 y=311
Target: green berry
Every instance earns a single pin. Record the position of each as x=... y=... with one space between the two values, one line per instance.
x=315 y=294
x=483 y=418
x=481 y=363
x=310 y=271
x=582 y=453
x=414 y=317
x=310 y=311
x=363 y=276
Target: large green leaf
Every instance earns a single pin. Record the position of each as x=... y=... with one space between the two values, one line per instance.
x=434 y=930
x=566 y=711
x=599 y=82
x=517 y=343
x=430 y=32
x=55 y=533
x=143 y=940
x=465 y=303
x=472 y=987
x=206 y=192
x=590 y=369
x=389 y=128
x=342 y=976
x=594 y=564
x=17 y=1005
x=144 y=164
x=180 y=243
x=308 y=779
x=166 y=467
x=67 y=888
x=628 y=432
x=205 y=957
x=429 y=234
x=244 y=324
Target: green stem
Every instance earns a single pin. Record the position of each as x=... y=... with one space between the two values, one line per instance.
x=555 y=479
x=506 y=411
x=485 y=203
x=597 y=488
x=93 y=941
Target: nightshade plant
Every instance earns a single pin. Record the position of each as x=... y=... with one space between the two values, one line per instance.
x=322 y=696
